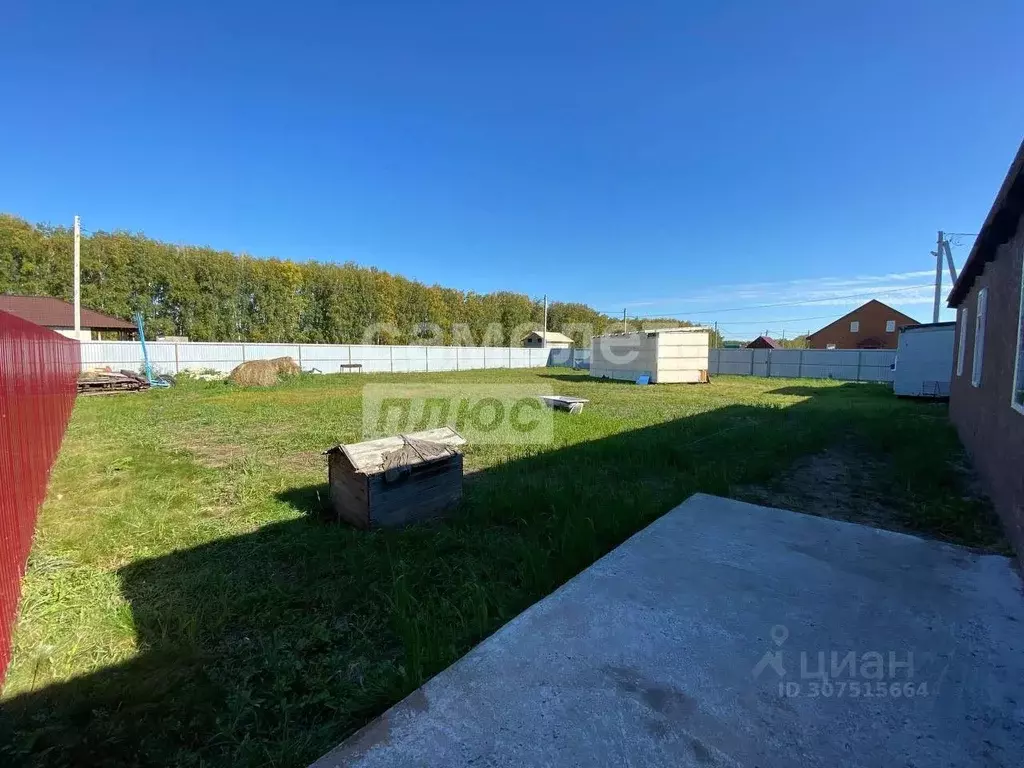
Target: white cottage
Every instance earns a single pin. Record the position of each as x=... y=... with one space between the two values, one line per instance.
x=555 y=340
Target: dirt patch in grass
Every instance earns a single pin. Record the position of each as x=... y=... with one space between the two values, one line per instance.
x=842 y=482
x=213 y=455
x=849 y=482
x=304 y=461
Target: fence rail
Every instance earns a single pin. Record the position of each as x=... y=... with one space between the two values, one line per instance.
x=175 y=357
x=38 y=370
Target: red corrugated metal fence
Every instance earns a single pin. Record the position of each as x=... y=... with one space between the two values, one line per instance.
x=38 y=370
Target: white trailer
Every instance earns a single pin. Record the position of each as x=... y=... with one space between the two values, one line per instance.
x=924 y=360
x=667 y=355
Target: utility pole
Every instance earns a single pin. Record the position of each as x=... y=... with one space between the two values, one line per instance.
x=718 y=341
x=544 y=335
x=78 y=278
x=625 y=327
x=949 y=262
x=940 y=252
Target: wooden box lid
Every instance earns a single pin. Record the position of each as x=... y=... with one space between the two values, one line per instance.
x=400 y=451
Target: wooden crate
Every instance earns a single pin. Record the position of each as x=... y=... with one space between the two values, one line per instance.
x=395 y=480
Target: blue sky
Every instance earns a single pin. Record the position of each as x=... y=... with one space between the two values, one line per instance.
x=668 y=157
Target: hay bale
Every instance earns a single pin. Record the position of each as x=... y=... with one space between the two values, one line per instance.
x=286 y=366
x=263 y=373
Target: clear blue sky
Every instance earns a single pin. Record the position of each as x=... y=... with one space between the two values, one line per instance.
x=676 y=157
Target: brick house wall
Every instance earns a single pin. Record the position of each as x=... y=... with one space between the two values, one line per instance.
x=990 y=429
x=871 y=334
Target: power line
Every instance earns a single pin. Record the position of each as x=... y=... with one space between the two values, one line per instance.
x=783 y=303
x=777 y=321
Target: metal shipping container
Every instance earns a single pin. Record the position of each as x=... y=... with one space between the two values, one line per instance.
x=667 y=355
x=924 y=360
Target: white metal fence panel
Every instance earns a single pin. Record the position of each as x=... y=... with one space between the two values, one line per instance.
x=495 y=357
x=842 y=364
x=472 y=358
x=174 y=357
x=443 y=358
x=270 y=351
x=198 y=356
x=323 y=358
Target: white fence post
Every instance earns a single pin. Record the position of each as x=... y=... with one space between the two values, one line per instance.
x=457 y=359
x=860 y=357
x=391 y=356
x=177 y=367
x=800 y=365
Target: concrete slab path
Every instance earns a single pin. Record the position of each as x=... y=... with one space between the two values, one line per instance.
x=728 y=634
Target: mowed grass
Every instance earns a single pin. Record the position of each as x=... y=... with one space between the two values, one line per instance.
x=185 y=605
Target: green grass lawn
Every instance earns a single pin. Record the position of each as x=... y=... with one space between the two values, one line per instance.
x=183 y=606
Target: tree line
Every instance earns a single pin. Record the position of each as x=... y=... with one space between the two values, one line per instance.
x=211 y=295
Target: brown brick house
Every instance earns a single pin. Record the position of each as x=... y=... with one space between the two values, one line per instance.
x=986 y=400
x=873 y=325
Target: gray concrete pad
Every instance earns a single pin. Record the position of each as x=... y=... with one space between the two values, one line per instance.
x=699 y=642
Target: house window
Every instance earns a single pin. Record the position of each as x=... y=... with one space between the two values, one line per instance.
x=890 y=326
x=961 y=341
x=854 y=326
x=830 y=346
x=1018 y=371
x=979 y=337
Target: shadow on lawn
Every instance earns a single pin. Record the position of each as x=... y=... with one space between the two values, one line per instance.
x=270 y=648
x=576 y=379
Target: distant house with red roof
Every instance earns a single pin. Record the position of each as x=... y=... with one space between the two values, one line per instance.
x=764 y=342
x=59 y=316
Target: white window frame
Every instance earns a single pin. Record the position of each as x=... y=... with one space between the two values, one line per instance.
x=855 y=326
x=1017 y=383
x=978 y=362
x=961 y=340
x=890 y=326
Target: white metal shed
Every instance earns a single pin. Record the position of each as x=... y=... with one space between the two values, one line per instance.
x=667 y=355
x=924 y=360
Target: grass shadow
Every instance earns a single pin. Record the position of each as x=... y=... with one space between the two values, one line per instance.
x=577 y=379
x=313 y=500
